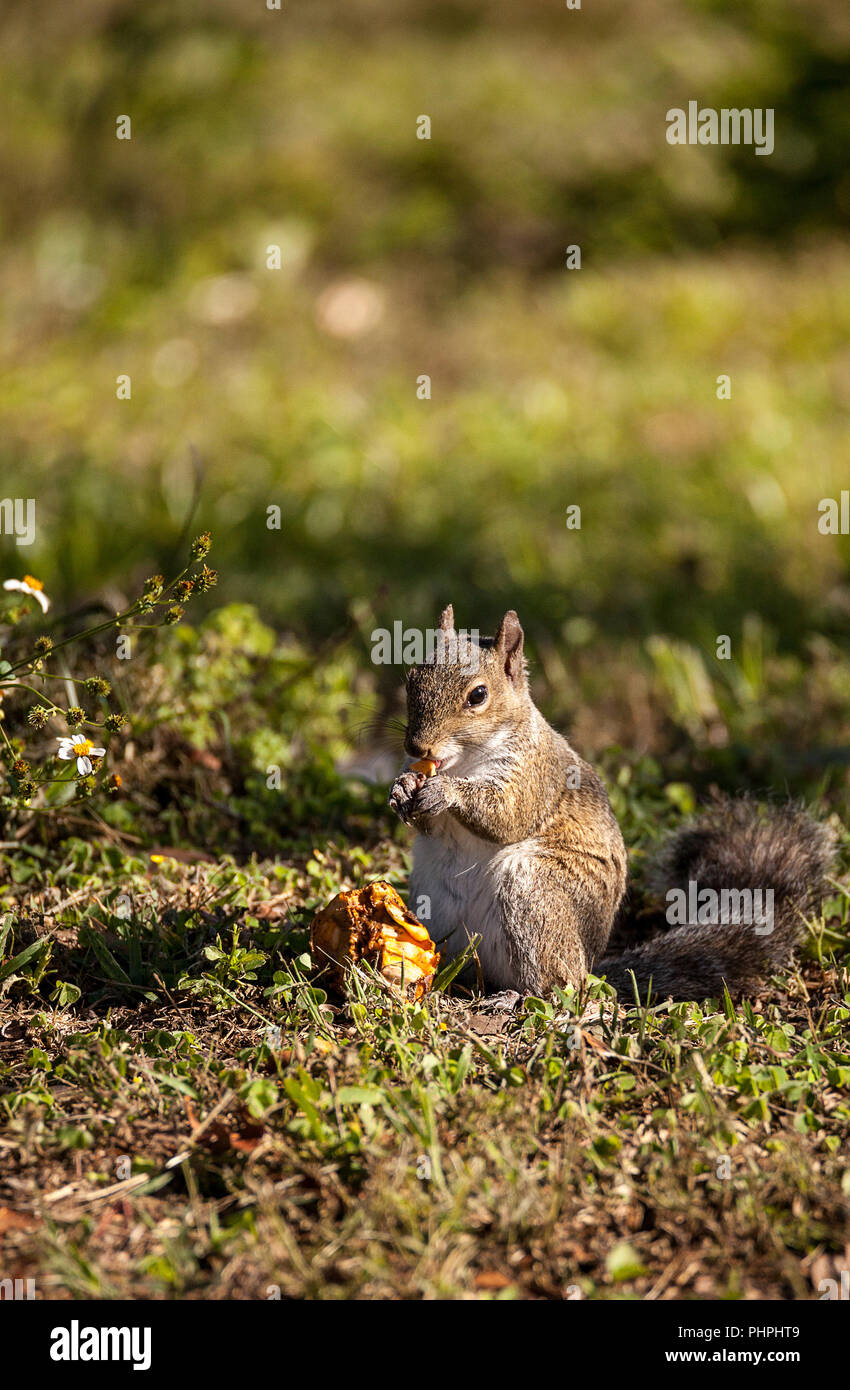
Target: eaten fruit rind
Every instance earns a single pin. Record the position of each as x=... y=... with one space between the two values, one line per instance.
x=373 y=924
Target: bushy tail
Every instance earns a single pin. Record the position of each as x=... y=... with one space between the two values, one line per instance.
x=732 y=847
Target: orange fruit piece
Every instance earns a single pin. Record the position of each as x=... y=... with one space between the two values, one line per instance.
x=373 y=924
x=425 y=765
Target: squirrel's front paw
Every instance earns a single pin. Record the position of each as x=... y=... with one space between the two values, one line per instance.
x=403 y=794
x=432 y=798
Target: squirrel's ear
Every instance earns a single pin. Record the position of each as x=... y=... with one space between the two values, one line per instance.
x=509 y=640
x=447 y=619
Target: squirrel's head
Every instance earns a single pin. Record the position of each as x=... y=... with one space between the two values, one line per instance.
x=466 y=701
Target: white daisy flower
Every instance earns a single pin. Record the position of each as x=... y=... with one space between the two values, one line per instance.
x=82 y=749
x=31 y=586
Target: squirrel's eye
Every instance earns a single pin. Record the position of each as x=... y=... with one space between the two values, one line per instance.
x=477 y=696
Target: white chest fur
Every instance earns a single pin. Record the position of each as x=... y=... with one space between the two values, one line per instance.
x=458 y=878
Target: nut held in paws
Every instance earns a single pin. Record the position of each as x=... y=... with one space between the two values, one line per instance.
x=424 y=765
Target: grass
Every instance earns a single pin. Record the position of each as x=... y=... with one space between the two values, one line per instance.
x=202 y=1122
x=187 y=1114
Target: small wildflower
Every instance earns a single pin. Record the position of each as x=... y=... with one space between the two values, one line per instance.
x=96 y=685
x=74 y=716
x=26 y=790
x=82 y=749
x=37 y=716
x=33 y=587
x=201 y=546
x=114 y=722
x=43 y=645
x=85 y=787
x=21 y=767
x=153 y=586
x=207 y=579
x=114 y=785
x=173 y=615
x=184 y=590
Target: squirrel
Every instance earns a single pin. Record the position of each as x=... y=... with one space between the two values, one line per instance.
x=518 y=846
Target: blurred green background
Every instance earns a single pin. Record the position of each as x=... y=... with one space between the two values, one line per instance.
x=297 y=387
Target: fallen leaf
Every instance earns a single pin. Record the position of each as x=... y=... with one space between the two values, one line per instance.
x=492 y=1279
x=241 y=1134
x=16 y=1221
x=484 y=1025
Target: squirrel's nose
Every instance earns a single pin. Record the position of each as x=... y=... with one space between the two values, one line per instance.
x=414 y=749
